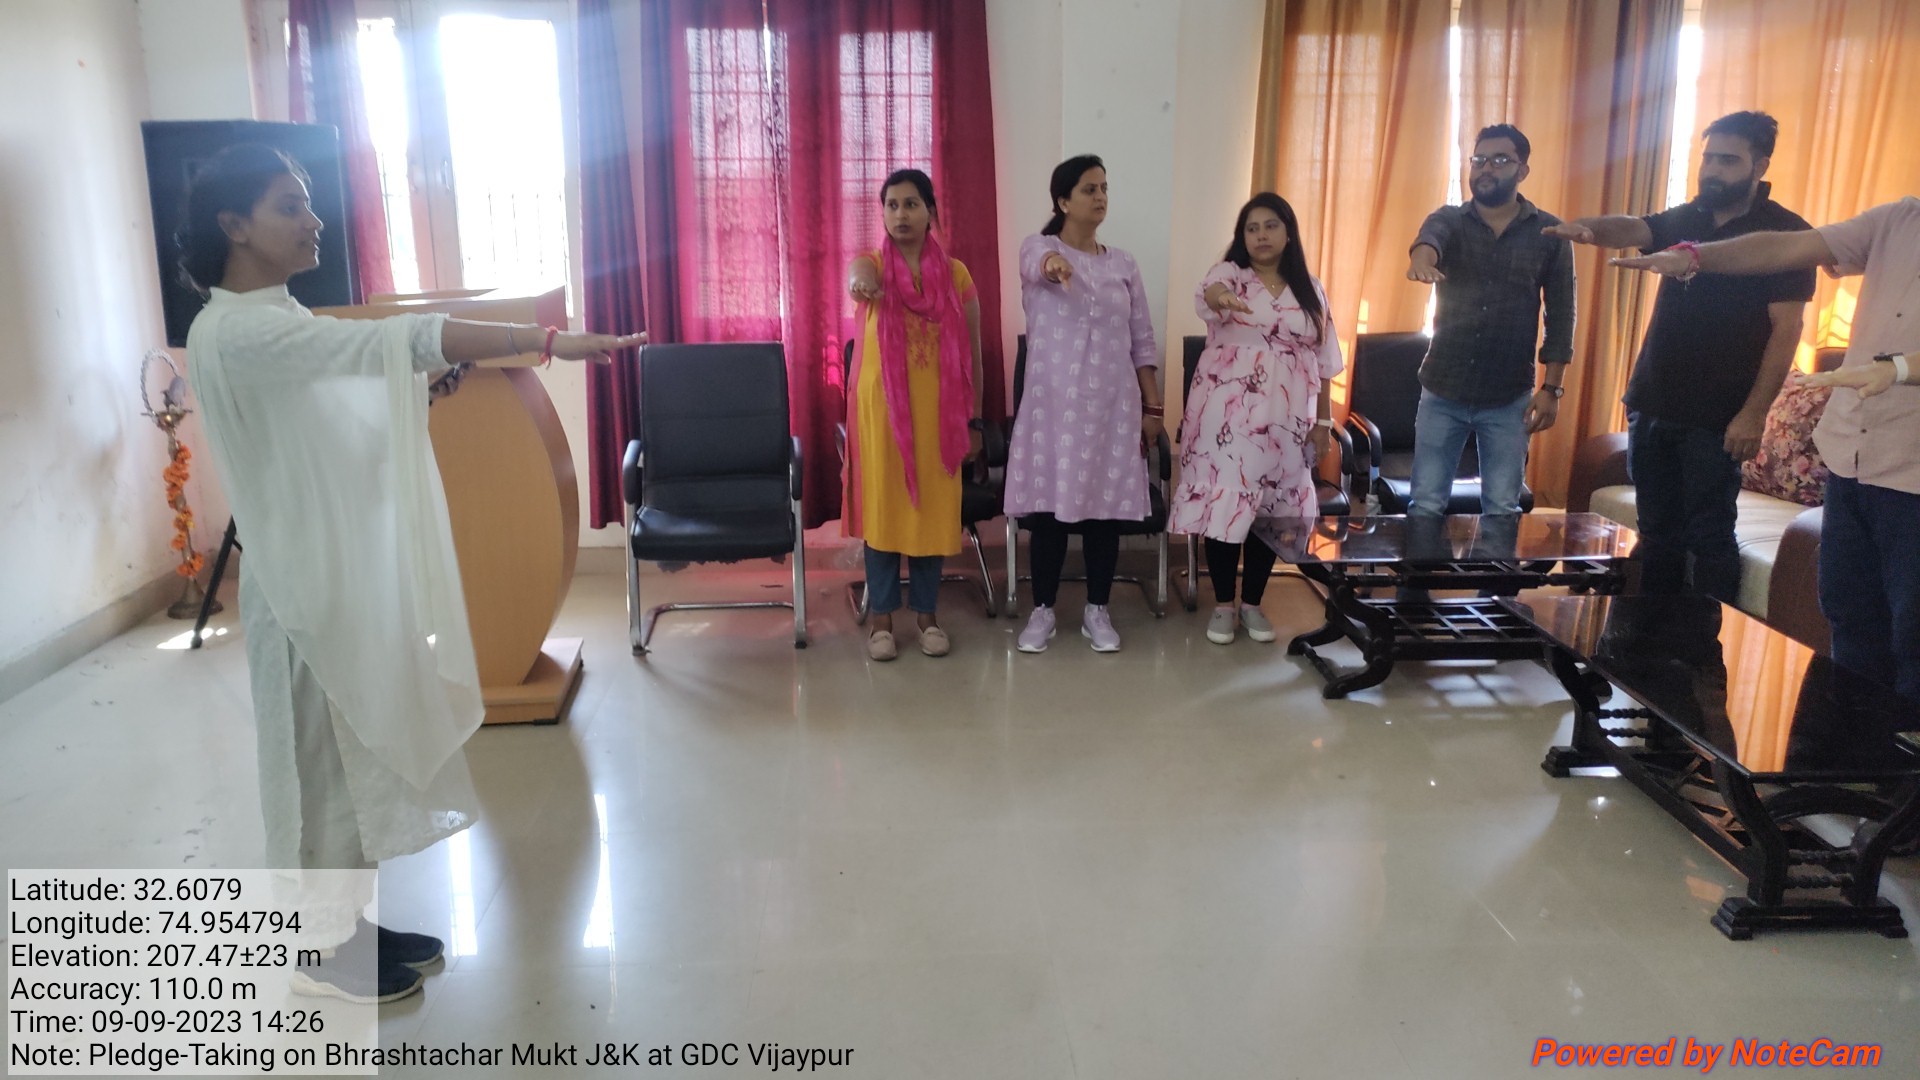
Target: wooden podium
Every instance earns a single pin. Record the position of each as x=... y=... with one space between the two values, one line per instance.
x=514 y=502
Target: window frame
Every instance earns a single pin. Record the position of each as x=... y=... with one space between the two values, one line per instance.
x=430 y=175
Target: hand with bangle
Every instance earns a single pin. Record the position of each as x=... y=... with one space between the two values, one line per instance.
x=557 y=343
x=1152 y=423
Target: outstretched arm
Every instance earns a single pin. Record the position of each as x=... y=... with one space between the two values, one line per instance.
x=1611 y=231
x=1754 y=253
x=463 y=342
x=1871 y=379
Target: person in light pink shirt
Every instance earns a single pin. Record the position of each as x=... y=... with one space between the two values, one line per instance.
x=1870 y=433
x=1258 y=415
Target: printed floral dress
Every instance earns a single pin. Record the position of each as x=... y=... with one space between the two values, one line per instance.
x=1245 y=441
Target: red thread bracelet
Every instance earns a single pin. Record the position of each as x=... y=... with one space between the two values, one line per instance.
x=546 y=351
x=1693 y=258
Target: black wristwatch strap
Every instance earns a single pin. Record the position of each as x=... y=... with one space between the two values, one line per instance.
x=1556 y=391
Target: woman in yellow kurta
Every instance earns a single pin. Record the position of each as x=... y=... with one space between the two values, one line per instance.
x=912 y=410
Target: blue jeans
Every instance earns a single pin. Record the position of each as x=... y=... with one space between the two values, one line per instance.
x=1870 y=582
x=1440 y=431
x=1686 y=497
x=883 y=581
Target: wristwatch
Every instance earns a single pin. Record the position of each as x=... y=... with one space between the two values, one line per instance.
x=1556 y=391
x=977 y=424
x=1900 y=367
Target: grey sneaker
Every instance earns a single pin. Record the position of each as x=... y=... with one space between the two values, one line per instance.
x=1097 y=627
x=1220 y=626
x=1255 y=620
x=1038 y=632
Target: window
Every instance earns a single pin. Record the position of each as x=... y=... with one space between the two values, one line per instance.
x=886 y=121
x=1685 y=105
x=384 y=74
x=472 y=125
x=739 y=144
x=502 y=78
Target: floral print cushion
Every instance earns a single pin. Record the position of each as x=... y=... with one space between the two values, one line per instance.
x=1788 y=466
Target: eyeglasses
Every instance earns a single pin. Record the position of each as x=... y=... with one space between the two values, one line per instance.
x=1498 y=161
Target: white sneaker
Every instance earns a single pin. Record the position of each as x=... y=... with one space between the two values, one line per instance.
x=1255 y=620
x=1097 y=627
x=1038 y=632
x=1220 y=626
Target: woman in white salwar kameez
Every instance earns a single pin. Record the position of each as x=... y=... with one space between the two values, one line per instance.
x=362 y=668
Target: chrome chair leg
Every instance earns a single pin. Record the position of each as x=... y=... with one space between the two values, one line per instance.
x=986 y=576
x=635 y=637
x=1160 y=585
x=1012 y=605
x=1189 y=593
x=799 y=580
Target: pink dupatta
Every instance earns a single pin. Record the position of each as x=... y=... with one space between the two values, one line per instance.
x=937 y=302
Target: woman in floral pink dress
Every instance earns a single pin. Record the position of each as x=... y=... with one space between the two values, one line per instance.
x=1259 y=414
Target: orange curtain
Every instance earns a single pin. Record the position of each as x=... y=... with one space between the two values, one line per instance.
x=1351 y=130
x=1843 y=79
x=1591 y=83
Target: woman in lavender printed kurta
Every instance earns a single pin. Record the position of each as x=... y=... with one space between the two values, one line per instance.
x=1076 y=447
x=1092 y=394
x=1257 y=414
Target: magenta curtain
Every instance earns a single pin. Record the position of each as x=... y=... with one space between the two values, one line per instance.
x=615 y=299
x=323 y=71
x=767 y=130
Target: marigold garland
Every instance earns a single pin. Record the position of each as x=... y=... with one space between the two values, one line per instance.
x=176 y=476
x=173 y=409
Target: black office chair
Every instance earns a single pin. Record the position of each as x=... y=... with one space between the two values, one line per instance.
x=715 y=473
x=1383 y=397
x=1335 y=497
x=983 y=491
x=1159 y=474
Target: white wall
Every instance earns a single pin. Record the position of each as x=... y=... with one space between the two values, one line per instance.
x=1117 y=101
x=83 y=521
x=197 y=68
x=1024 y=66
x=196 y=58
x=1215 y=106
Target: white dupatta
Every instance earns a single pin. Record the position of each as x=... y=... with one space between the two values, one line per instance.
x=319 y=429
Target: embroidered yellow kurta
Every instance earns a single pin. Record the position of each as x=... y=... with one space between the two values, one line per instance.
x=878 y=508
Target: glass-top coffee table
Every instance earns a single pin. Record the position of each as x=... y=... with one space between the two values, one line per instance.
x=1402 y=559
x=1742 y=734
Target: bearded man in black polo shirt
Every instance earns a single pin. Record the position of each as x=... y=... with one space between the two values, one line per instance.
x=1717 y=352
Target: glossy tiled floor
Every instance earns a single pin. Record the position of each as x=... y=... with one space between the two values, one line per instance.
x=1174 y=862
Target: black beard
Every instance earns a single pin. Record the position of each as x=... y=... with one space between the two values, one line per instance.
x=1721 y=196
x=1501 y=195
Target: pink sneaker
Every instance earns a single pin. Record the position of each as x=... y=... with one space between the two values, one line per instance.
x=1038 y=632
x=1097 y=626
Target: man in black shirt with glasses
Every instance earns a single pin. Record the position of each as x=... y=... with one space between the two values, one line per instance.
x=1494 y=267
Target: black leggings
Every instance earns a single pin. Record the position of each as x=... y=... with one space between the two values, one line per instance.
x=1099 y=542
x=1223 y=560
